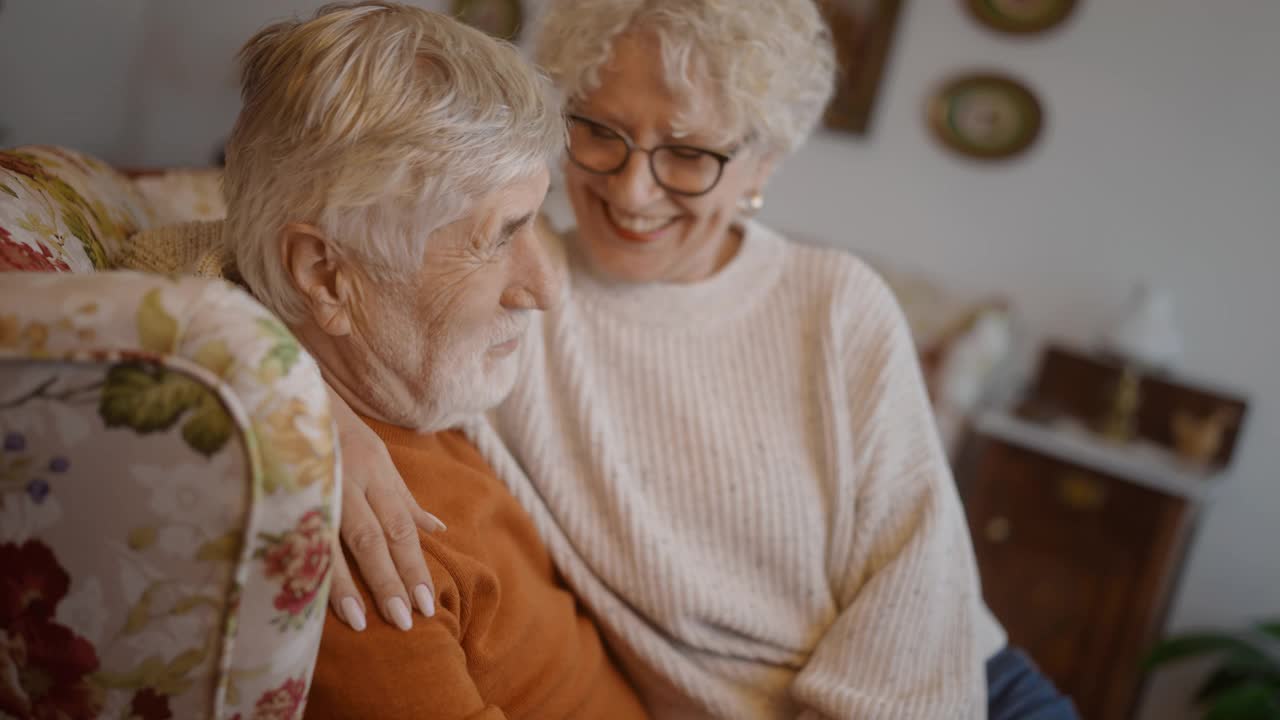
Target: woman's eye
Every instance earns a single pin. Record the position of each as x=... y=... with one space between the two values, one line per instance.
x=603 y=133
x=686 y=153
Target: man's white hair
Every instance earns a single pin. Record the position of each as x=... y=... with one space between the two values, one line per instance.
x=769 y=64
x=378 y=123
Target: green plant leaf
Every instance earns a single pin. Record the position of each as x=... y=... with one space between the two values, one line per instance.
x=145 y=398
x=157 y=330
x=1237 y=671
x=1193 y=644
x=1270 y=627
x=1248 y=702
x=209 y=427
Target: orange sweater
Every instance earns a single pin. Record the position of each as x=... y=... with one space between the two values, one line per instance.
x=507 y=641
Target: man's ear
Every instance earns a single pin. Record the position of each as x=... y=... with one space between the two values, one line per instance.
x=319 y=275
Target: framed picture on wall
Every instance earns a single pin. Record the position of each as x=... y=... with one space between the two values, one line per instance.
x=863 y=33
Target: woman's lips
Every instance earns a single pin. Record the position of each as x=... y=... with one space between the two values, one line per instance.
x=632 y=235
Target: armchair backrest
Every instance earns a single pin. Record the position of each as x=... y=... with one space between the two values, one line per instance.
x=168 y=496
x=61 y=210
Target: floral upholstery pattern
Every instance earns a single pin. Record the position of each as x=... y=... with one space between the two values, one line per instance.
x=168 y=473
x=65 y=211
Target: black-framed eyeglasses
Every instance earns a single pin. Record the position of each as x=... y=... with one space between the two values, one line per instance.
x=678 y=169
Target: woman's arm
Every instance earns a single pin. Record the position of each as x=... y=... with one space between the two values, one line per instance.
x=380 y=523
x=906 y=642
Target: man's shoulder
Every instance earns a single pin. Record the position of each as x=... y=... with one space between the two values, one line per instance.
x=442 y=451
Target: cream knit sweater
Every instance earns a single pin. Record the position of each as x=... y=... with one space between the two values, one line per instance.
x=741 y=478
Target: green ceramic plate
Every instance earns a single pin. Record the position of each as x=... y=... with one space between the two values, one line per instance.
x=1021 y=16
x=985 y=115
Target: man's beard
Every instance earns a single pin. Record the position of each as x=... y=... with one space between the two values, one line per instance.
x=432 y=381
x=468 y=381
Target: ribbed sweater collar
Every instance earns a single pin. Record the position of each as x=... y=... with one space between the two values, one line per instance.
x=731 y=292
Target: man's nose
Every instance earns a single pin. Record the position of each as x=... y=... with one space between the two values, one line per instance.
x=537 y=277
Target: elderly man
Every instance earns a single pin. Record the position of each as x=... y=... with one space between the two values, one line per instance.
x=382 y=182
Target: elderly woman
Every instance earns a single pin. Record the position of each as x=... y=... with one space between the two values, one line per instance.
x=723 y=435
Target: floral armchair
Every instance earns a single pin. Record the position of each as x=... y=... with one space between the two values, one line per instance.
x=167 y=475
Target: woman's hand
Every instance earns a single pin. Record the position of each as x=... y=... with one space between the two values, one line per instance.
x=380 y=522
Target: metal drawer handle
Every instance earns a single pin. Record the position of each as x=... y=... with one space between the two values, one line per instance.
x=1081 y=491
x=998 y=529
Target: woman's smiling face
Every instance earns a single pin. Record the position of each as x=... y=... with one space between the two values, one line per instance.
x=630 y=228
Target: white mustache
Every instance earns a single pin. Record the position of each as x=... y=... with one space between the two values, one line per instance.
x=509 y=327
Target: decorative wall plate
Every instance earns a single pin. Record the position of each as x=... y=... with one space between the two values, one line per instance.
x=500 y=18
x=1021 y=17
x=985 y=115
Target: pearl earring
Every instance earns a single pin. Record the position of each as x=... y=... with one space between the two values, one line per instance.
x=752 y=203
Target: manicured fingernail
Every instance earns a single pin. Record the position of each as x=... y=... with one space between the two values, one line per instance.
x=426 y=603
x=353 y=614
x=399 y=612
x=437 y=525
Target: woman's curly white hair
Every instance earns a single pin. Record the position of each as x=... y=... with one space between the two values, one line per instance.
x=769 y=64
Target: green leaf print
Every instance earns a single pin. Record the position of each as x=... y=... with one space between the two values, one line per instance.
x=145 y=398
x=145 y=675
x=209 y=427
x=215 y=357
x=157 y=330
x=141 y=538
x=80 y=227
x=284 y=352
x=222 y=549
x=150 y=399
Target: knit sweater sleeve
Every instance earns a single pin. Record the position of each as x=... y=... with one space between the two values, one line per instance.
x=905 y=643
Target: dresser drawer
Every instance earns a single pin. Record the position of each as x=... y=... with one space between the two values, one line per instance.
x=1074 y=564
x=1056 y=505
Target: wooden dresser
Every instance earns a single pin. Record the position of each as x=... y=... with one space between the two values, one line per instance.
x=1080 y=540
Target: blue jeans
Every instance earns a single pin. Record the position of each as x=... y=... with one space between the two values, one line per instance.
x=1017 y=690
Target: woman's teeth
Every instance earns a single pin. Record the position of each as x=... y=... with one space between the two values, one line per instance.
x=636 y=223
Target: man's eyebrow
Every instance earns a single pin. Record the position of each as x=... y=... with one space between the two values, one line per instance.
x=511 y=227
